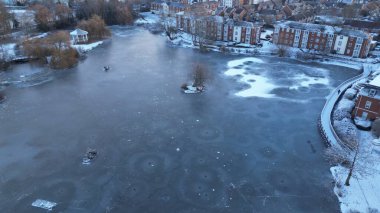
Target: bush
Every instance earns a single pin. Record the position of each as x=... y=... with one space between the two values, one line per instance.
x=346 y=104
x=56 y=46
x=43 y=17
x=95 y=27
x=340 y=114
x=350 y=93
x=347 y=131
x=64 y=59
x=112 y=12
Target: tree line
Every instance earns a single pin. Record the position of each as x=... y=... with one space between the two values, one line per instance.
x=49 y=16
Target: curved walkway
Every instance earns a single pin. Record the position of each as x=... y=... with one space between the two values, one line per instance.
x=325 y=123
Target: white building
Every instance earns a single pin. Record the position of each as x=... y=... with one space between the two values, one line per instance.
x=237 y=34
x=340 y=44
x=227 y=3
x=79 y=36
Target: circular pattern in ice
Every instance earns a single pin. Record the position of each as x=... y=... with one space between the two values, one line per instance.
x=153 y=167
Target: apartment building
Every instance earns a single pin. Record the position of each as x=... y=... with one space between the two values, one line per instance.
x=217 y=29
x=323 y=38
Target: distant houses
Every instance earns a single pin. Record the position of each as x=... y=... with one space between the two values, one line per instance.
x=323 y=38
x=168 y=8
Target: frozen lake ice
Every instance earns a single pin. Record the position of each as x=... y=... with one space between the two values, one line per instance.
x=159 y=150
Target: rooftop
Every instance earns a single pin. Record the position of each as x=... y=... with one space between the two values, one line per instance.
x=323 y=29
x=78 y=32
x=307 y=26
x=375 y=82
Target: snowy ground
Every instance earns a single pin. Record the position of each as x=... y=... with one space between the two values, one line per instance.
x=147 y=18
x=363 y=194
x=267 y=32
x=262 y=84
x=87 y=47
x=8 y=50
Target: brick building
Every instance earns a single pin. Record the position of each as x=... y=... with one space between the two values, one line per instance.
x=241 y=32
x=217 y=29
x=323 y=38
x=367 y=105
x=166 y=8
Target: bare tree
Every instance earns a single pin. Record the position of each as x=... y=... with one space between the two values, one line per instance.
x=282 y=50
x=95 y=26
x=5 y=20
x=169 y=25
x=56 y=47
x=349 y=11
x=198 y=12
x=354 y=157
x=3 y=58
x=27 y=23
x=200 y=76
x=63 y=16
x=43 y=17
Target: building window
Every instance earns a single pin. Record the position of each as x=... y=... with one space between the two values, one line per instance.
x=339 y=43
x=368 y=104
x=372 y=92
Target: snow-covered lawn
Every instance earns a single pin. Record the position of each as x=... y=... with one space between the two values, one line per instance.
x=147 y=18
x=363 y=194
x=8 y=50
x=86 y=47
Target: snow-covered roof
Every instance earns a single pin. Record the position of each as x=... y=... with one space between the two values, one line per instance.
x=354 y=33
x=375 y=82
x=78 y=32
x=323 y=29
x=307 y=26
x=331 y=20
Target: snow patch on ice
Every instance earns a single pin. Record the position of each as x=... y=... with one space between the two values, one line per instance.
x=262 y=85
x=259 y=86
x=44 y=204
x=306 y=81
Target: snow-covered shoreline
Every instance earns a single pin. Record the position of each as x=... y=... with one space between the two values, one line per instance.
x=363 y=194
x=86 y=47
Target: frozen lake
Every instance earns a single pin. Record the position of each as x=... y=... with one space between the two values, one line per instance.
x=230 y=149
